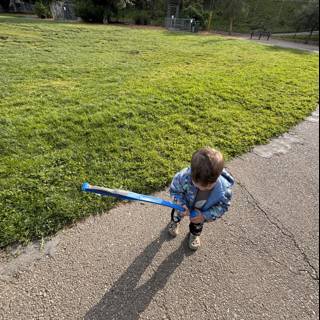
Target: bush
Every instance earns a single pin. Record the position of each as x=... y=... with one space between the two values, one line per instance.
x=196 y=12
x=5 y=5
x=89 y=11
x=142 y=18
x=42 y=10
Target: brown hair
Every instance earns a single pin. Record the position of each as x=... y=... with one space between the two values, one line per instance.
x=206 y=166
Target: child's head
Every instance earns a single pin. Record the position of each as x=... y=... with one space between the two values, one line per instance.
x=206 y=167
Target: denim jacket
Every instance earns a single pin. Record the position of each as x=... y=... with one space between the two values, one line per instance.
x=183 y=192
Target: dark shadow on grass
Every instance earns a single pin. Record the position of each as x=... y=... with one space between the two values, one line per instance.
x=214 y=41
x=178 y=33
x=29 y=19
x=12 y=19
x=126 y=301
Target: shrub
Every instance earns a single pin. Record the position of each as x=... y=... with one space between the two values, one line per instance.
x=89 y=11
x=196 y=12
x=142 y=18
x=42 y=10
x=5 y=5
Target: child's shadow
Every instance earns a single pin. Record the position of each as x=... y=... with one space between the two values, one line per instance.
x=126 y=301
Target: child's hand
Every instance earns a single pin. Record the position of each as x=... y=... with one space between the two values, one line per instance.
x=199 y=218
x=184 y=213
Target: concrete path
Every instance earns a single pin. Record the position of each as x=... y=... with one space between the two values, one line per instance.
x=296 y=33
x=259 y=262
x=289 y=44
x=272 y=42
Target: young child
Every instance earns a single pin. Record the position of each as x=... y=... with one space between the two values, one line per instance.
x=204 y=189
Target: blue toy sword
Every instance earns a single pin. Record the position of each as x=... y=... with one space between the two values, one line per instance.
x=131 y=196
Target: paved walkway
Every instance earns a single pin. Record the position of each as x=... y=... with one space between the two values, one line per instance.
x=305 y=33
x=289 y=44
x=274 y=42
x=260 y=261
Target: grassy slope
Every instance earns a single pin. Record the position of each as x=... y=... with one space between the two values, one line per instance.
x=126 y=108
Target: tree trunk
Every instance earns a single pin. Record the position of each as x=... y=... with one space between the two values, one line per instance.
x=153 y=4
x=178 y=11
x=310 y=35
x=231 y=25
x=280 y=11
x=210 y=20
x=255 y=8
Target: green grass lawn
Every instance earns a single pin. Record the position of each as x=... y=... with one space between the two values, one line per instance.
x=126 y=108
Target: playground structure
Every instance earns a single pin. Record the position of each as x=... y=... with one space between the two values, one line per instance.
x=179 y=24
x=174 y=23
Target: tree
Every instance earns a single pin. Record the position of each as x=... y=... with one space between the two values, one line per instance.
x=308 y=17
x=193 y=9
x=99 y=10
x=42 y=9
x=233 y=9
x=210 y=5
x=5 y=4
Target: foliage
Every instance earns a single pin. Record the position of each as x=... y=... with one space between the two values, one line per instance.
x=308 y=17
x=238 y=15
x=233 y=9
x=142 y=18
x=126 y=108
x=99 y=10
x=5 y=4
x=42 y=10
x=89 y=11
x=195 y=10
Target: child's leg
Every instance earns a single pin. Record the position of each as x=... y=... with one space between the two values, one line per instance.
x=174 y=224
x=194 y=237
x=175 y=216
x=195 y=228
